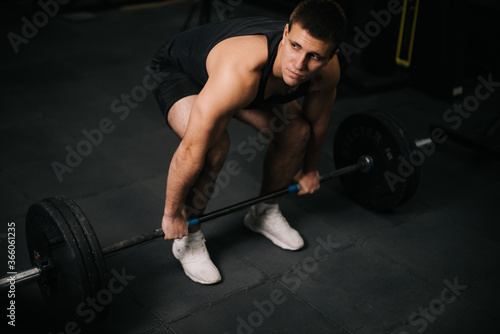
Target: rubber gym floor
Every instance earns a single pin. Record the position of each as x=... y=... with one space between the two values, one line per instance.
x=429 y=266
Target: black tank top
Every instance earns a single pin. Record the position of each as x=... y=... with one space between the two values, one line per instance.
x=188 y=51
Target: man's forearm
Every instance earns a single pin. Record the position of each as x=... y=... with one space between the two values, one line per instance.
x=184 y=169
x=314 y=149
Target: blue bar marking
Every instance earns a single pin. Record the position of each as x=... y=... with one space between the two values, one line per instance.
x=193 y=221
x=293 y=188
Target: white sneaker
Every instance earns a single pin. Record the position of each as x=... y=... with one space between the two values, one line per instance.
x=195 y=260
x=273 y=226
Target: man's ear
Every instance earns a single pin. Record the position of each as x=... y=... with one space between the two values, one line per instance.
x=334 y=53
x=285 y=33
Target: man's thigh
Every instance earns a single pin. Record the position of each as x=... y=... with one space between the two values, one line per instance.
x=175 y=95
x=179 y=113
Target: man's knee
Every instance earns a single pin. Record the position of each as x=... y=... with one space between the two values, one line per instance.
x=298 y=124
x=297 y=132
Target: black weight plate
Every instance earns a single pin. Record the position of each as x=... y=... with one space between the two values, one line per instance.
x=373 y=134
x=413 y=179
x=54 y=233
x=88 y=245
x=91 y=240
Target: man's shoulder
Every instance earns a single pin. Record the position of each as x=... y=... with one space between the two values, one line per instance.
x=245 y=53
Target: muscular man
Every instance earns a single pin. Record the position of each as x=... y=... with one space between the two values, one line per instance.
x=248 y=69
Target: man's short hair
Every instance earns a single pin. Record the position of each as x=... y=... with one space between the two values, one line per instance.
x=323 y=19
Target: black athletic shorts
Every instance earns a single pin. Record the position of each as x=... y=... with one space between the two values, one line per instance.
x=173 y=85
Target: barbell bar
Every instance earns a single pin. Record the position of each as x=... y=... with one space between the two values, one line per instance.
x=61 y=240
x=364 y=164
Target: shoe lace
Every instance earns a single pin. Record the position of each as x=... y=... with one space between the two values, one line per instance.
x=197 y=244
x=278 y=220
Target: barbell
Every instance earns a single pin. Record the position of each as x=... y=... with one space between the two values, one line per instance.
x=68 y=261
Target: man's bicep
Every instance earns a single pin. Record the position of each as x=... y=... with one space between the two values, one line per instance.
x=230 y=87
x=220 y=98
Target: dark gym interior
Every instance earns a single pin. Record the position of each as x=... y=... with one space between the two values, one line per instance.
x=430 y=265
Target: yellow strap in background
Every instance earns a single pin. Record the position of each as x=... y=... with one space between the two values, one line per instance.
x=407 y=32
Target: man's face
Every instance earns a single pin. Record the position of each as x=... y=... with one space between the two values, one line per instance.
x=303 y=56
